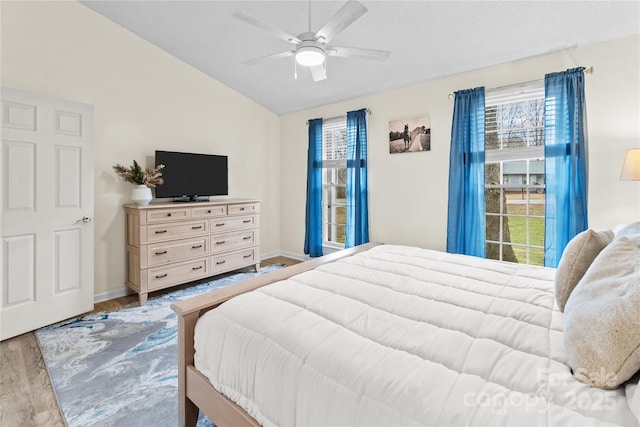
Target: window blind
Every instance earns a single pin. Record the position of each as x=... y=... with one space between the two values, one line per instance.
x=514 y=122
x=334 y=147
x=515 y=93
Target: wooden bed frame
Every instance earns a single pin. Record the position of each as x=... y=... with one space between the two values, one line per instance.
x=195 y=392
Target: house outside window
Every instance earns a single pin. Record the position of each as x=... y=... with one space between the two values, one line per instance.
x=514 y=173
x=334 y=181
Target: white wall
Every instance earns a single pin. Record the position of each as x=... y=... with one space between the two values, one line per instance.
x=144 y=99
x=408 y=191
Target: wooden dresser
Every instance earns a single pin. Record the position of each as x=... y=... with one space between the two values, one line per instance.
x=173 y=243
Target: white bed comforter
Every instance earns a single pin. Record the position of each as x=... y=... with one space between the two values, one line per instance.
x=401 y=336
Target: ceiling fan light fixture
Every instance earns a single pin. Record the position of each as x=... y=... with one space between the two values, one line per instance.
x=309 y=56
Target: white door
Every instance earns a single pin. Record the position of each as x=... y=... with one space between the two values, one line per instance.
x=46 y=211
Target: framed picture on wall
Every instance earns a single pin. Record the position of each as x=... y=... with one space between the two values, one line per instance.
x=410 y=135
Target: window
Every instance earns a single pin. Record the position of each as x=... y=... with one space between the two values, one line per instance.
x=334 y=181
x=514 y=173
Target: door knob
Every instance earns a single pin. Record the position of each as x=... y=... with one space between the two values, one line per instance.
x=85 y=219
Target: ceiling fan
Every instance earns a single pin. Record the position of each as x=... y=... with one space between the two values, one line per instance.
x=311 y=49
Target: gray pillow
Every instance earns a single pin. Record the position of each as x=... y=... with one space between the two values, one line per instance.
x=576 y=259
x=602 y=318
x=631 y=231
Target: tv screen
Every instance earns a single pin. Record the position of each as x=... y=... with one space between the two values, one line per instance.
x=190 y=176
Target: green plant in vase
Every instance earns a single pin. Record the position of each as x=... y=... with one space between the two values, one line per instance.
x=145 y=179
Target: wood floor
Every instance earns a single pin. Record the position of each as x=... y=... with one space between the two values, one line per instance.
x=26 y=394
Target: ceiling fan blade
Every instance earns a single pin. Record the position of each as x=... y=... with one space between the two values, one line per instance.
x=347 y=15
x=268 y=58
x=318 y=73
x=273 y=30
x=356 y=52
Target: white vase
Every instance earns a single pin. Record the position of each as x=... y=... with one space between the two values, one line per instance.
x=141 y=195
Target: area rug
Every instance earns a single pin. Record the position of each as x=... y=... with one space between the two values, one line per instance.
x=120 y=368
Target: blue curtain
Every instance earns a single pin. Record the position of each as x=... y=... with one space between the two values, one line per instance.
x=357 y=202
x=466 y=210
x=565 y=151
x=313 y=218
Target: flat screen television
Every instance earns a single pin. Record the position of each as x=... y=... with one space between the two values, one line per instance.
x=192 y=177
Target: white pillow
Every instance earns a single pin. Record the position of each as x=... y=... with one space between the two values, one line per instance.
x=602 y=318
x=631 y=231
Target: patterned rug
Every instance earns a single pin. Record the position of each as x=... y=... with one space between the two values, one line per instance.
x=120 y=368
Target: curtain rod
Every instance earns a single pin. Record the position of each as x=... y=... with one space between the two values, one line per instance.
x=337 y=117
x=587 y=70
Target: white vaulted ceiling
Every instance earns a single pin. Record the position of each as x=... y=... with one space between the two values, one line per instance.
x=427 y=40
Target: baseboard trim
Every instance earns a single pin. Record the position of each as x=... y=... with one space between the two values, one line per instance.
x=269 y=255
x=106 y=296
x=292 y=255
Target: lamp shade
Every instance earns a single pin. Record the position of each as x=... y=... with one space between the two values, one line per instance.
x=631 y=165
x=309 y=56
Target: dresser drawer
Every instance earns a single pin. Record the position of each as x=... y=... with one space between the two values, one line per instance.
x=233 y=223
x=177 y=250
x=161 y=277
x=235 y=260
x=208 y=211
x=167 y=215
x=161 y=232
x=243 y=208
x=231 y=241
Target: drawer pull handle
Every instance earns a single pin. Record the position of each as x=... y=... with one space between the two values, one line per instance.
x=220 y=225
x=246 y=238
x=196 y=246
x=160 y=276
x=241 y=209
x=220 y=243
x=197 y=268
x=196 y=227
x=246 y=221
x=247 y=256
x=169 y=214
x=160 y=231
x=161 y=252
x=209 y=211
x=220 y=262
